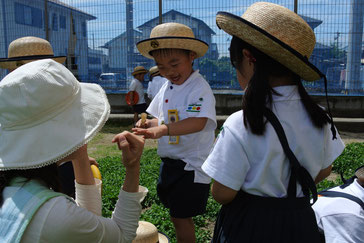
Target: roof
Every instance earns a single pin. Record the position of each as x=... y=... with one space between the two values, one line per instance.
x=117 y=37
x=311 y=21
x=179 y=13
x=58 y=2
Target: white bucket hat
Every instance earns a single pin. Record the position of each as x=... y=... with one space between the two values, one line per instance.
x=46 y=114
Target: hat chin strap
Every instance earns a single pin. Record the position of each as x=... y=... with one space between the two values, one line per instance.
x=333 y=130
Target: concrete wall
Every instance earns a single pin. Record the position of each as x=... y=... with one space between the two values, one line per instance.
x=341 y=106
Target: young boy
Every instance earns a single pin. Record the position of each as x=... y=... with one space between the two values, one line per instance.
x=137 y=86
x=185 y=120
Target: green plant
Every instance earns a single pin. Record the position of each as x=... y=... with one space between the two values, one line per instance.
x=351 y=158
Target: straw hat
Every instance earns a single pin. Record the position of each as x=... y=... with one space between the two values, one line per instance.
x=46 y=114
x=172 y=35
x=148 y=233
x=154 y=71
x=139 y=69
x=276 y=31
x=27 y=49
x=359 y=173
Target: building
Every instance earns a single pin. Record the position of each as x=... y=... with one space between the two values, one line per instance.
x=67 y=29
x=97 y=64
x=117 y=53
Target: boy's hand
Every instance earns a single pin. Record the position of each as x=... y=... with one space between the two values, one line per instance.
x=147 y=124
x=131 y=146
x=152 y=132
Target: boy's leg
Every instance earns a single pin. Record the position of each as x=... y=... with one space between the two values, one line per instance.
x=185 y=229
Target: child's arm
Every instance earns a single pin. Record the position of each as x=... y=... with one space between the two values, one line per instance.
x=148 y=123
x=222 y=194
x=183 y=127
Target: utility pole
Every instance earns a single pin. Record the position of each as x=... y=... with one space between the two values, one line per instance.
x=295 y=5
x=46 y=19
x=160 y=12
x=129 y=37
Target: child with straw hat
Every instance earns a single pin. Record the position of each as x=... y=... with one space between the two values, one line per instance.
x=184 y=123
x=47 y=117
x=269 y=155
x=136 y=85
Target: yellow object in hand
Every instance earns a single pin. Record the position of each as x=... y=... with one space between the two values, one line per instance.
x=96 y=172
x=144 y=118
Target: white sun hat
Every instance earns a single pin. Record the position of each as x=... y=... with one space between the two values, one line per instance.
x=148 y=233
x=46 y=114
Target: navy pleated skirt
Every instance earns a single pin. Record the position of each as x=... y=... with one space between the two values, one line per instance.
x=250 y=218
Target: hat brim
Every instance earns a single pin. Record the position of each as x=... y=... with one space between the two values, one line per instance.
x=162 y=238
x=268 y=44
x=53 y=140
x=12 y=63
x=198 y=46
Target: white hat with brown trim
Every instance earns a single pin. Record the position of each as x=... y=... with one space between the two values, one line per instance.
x=148 y=233
x=276 y=31
x=153 y=71
x=27 y=49
x=172 y=36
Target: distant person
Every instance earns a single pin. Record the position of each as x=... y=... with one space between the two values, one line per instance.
x=137 y=85
x=47 y=117
x=340 y=211
x=184 y=122
x=156 y=82
x=28 y=49
x=269 y=155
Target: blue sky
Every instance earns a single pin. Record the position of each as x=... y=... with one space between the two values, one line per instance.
x=110 y=15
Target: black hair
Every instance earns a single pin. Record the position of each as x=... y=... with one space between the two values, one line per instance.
x=169 y=51
x=47 y=174
x=258 y=93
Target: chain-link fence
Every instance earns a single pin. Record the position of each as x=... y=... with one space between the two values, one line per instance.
x=98 y=36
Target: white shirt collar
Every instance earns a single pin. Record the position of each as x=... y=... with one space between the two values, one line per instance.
x=287 y=92
x=190 y=79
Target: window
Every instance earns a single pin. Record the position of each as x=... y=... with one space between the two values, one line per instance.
x=84 y=29
x=62 y=21
x=54 y=22
x=27 y=15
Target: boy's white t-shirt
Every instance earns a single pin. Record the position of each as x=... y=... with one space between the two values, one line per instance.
x=193 y=98
x=258 y=164
x=137 y=86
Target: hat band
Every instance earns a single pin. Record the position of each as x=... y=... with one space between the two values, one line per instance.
x=43 y=116
x=32 y=57
x=273 y=38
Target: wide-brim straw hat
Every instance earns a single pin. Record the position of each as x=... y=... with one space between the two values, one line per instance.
x=359 y=173
x=138 y=70
x=27 y=49
x=276 y=31
x=172 y=36
x=148 y=233
x=46 y=114
x=153 y=71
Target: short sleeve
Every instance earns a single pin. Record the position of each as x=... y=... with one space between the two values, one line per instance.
x=154 y=107
x=227 y=162
x=332 y=148
x=132 y=86
x=202 y=104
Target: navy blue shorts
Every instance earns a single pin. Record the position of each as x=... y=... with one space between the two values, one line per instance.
x=178 y=192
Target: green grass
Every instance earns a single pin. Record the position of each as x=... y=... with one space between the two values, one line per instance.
x=153 y=211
